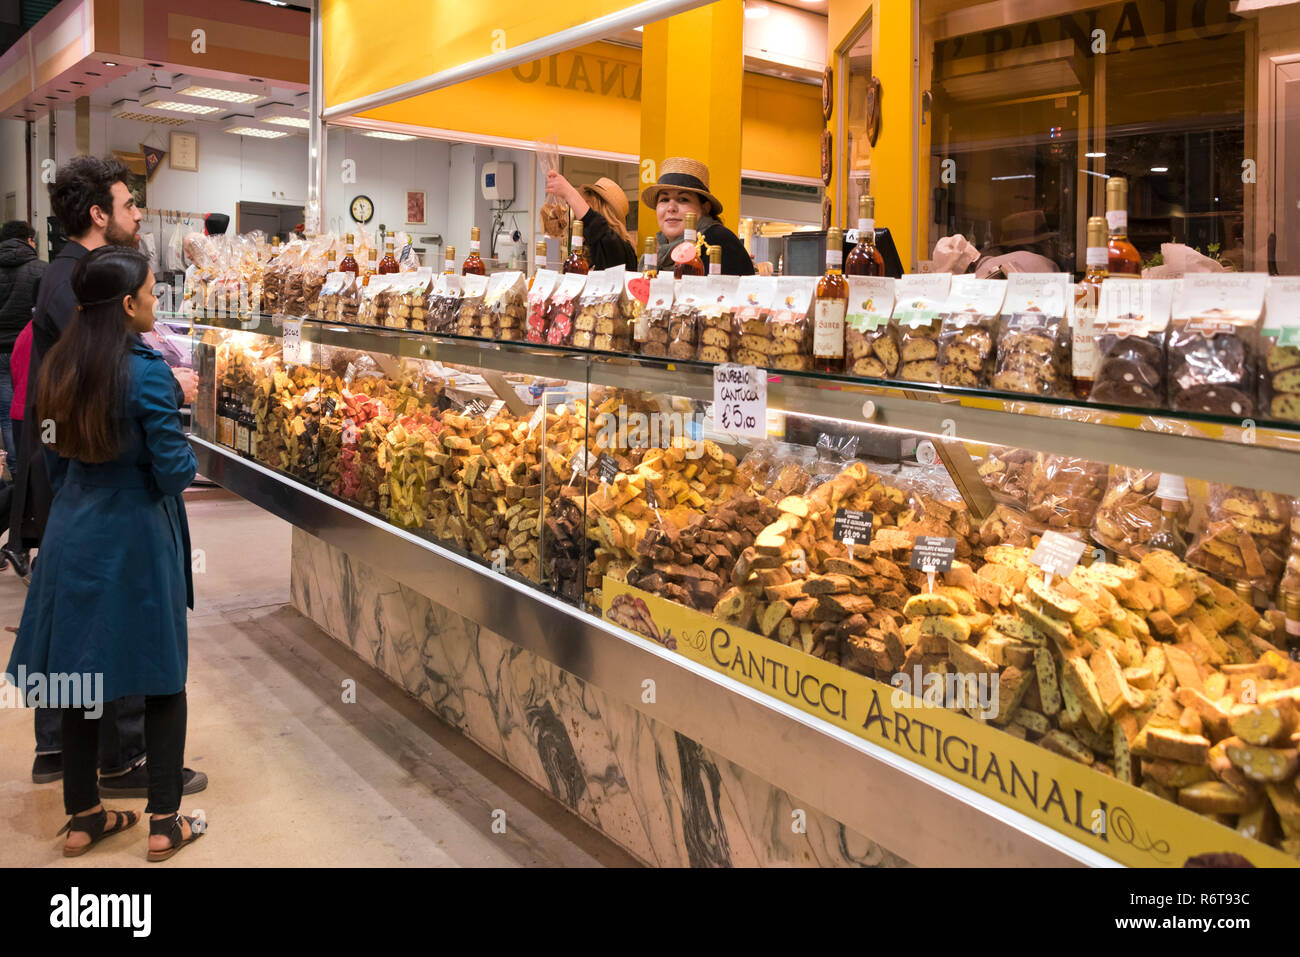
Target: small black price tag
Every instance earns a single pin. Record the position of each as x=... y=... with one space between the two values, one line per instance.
x=474 y=407
x=853 y=526
x=606 y=468
x=935 y=553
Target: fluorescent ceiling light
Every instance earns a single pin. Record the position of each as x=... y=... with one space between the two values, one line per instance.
x=220 y=90
x=161 y=98
x=998 y=179
x=109 y=63
x=385 y=135
x=281 y=114
x=130 y=110
x=256 y=131
x=1094 y=155
x=297 y=122
x=1160 y=169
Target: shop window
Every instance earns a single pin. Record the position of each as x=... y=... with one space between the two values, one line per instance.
x=855 y=150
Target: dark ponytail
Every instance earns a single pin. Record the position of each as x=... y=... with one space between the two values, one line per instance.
x=82 y=386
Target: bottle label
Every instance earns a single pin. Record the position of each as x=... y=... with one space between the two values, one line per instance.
x=866 y=229
x=683 y=253
x=828 y=328
x=473 y=245
x=834 y=258
x=577 y=242
x=1293 y=627
x=651 y=262
x=689 y=236
x=1117 y=220
x=449 y=265
x=715 y=269
x=641 y=329
x=1097 y=256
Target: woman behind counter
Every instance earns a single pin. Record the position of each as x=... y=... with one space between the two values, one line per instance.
x=683 y=188
x=602 y=207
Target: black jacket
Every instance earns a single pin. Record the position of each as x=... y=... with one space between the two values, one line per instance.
x=605 y=248
x=20 y=275
x=735 y=257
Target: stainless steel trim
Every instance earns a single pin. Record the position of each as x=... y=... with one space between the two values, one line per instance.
x=635 y=16
x=913 y=811
x=316 y=132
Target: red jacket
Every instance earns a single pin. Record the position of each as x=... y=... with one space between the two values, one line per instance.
x=18 y=363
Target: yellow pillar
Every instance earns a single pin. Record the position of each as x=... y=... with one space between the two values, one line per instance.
x=692 y=75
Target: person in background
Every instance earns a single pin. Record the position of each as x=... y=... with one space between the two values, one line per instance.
x=109 y=594
x=93 y=204
x=12 y=552
x=683 y=187
x=602 y=207
x=20 y=274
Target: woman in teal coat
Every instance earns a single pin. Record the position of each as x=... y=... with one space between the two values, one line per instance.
x=112 y=581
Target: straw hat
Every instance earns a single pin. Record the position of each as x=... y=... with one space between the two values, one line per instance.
x=680 y=172
x=610 y=192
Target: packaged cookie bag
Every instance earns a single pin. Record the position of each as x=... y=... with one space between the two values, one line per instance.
x=1214 y=343
x=684 y=319
x=631 y=306
x=969 y=330
x=1279 y=373
x=1132 y=322
x=715 y=319
x=1065 y=492
x=330 y=305
x=597 y=312
x=505 y=305
x=658 y=307
x=472 y=318
x=1033 y=335
x=870 y=342
x=539 y=294
x=749 y=315
x=373 y=310
x=444 y=304
x=789 y=329
x=560 y=309
x=407 y=309
x=1129 y=514
x=1245 y=537
x=917 y=300
x=613 y=329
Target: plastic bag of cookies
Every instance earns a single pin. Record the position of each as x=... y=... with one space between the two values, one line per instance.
x=653 y=340
x=407 y=309
x=1245 y=537
x=598 y=322
x=750 y=313
x=1129 y=514
x=1065 y=491
x=716 y=332
x=1034 y=337
x=444 y=303
x=969 y=331
x=506 y=306
x=373 y=310
x=870 y=341
x=1132 y=321
x=1279 y=367
x=1008 y=470
x=561 y=307
x=684 y=320
x=329 y=307
x=539 y=294
x=473 y=318
x=789 y=329
x=631 y=306
x=1214 y=343
x=917 y=300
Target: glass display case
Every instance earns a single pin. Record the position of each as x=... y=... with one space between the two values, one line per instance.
x=1101 y=596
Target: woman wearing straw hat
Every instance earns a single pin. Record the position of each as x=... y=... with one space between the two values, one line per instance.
x=602 y=207
x=683 y=188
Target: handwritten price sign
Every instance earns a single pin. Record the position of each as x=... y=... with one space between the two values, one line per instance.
x=740 y=400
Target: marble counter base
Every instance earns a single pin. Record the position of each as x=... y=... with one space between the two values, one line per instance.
x=657 y=793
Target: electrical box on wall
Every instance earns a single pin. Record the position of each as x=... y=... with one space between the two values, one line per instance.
x=498 y=181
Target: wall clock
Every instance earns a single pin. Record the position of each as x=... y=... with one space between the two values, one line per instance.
x=362 y=209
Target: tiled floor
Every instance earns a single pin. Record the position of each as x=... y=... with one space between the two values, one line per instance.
x=299 y=776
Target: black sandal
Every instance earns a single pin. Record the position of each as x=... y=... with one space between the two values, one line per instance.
x=96 y=825
x=171 y=828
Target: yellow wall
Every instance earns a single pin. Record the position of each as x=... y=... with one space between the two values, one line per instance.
x=897 y=175
x=782 y=123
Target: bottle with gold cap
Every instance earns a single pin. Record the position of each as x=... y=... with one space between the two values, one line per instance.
x=829 y=308
x=715 y=260
x=372 y=266
x=539 y=261
x=1084 y=357
x=388 y=264
x=686 y=254
x=349 y=262
x=865 y=259
x=650 y=260
x=473 y=264
x=577 y=261
x=449 y=261
x=1122 y=259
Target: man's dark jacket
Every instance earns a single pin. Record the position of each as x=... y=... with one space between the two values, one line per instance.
x=20 y=274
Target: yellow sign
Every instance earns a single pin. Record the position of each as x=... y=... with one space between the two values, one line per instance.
x=1123 y=822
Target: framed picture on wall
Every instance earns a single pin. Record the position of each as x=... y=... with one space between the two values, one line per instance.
x=415 y=207
x=185 y=152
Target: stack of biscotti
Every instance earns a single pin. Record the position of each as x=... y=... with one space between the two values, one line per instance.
x=409 y=447
x=1009 y=471
x=1128 y=515
x=1245 y=537
x=567 y=546
x=1064 y=492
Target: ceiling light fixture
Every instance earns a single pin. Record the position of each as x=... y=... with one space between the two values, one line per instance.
x=1160 y=169
x=109 y=63
x=243 y=126
x=385 y=135
x=1092 y=156
x=998 y=179
x=220 y=90
x=754 y=12
x=282 y=114
x=130 y=110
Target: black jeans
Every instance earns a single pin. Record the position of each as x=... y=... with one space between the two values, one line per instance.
x=164 y=727
x=121 y=737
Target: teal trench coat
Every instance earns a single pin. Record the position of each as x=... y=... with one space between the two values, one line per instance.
x=113 y=577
